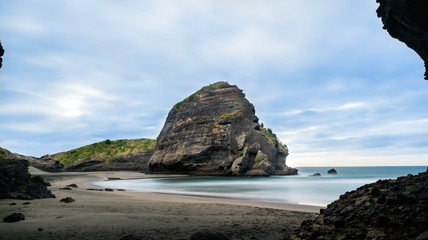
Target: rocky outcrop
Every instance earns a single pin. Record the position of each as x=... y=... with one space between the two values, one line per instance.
x=134 y=162
x=16 y=182
x=215 y=132
x=1 y=55
x=408 y=22
x=387 y=209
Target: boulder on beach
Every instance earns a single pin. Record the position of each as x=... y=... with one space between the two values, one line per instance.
x=14 y=217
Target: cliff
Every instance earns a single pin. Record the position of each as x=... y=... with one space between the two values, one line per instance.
x=1 y=55
x=215 y=132
x=387 y=209
x=408 y=22
x=16 y=182
x=119 y=155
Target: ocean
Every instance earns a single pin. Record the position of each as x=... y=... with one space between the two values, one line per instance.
x=298 y=189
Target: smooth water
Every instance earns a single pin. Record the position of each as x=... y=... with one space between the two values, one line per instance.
x=298 y=189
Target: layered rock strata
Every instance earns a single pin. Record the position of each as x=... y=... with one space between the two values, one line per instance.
x=16 y=182
x=215 y=132
x=408 y=22
x=387 y=209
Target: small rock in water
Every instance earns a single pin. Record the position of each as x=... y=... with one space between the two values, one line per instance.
x=66 y=188
x=332 y=171
x=315 y=175
x=67 y=200
x=14 y=217
x=26 y=203
x=108 y=190
x=73 y=185
x=12 y=204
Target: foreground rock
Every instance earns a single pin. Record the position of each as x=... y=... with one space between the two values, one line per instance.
x=16 y=182
x=408 y=22
x=215 y=132
x=387 y=209
x=332 y=171
x=14 y=217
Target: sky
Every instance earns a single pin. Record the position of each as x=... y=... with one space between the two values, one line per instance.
x=323 y=75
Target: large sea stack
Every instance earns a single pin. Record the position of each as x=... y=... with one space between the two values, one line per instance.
x=215 y=132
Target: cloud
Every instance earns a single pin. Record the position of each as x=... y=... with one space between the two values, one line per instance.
x=82 y=71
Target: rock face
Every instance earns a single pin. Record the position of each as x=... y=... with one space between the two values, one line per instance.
x=16 y=182
x=215 y=132
x=408 y=22
x=1 y=55
x=387 y=209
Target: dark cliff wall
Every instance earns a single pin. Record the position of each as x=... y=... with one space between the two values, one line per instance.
x=1 y=55
x=16 y=182
x=216 y=132
x=408 y=22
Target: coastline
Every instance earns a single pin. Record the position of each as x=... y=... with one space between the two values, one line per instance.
x=114 y=214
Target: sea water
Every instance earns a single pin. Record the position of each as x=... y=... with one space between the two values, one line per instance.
x=297 y=189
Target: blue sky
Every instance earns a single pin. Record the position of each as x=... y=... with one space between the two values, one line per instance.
x=323 y=75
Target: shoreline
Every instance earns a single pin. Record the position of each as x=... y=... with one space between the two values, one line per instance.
x=115 y=214
x=80 y=177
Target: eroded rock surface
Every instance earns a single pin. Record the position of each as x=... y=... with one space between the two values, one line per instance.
x=16 y=182
x=216 y=132
x=386 y=209
x=1 y=55
x=408 y=22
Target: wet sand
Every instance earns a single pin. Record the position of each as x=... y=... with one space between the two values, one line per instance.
x=115 y=214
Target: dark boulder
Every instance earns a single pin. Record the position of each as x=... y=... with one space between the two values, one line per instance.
x=14 y=217
x=67 y=200
x=16 y=182
x=332 y=171
x=209 y=235
x=315 y=175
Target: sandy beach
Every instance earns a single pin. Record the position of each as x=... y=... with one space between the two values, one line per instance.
x=116 y=214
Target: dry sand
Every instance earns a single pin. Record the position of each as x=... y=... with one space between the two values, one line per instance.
x=113 y=215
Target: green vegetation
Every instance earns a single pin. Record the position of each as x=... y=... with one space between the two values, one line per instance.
x=3 y=153
x=269 y=135
x=105 y=150
x=202 y=90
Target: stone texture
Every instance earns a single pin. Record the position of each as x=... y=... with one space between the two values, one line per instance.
x=16 y=182
x=14 y=217
x=216 y=132
x=387 y=209
x=408 y=22
x=1 y=55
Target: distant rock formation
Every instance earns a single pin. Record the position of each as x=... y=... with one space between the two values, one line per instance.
x=332 y=171
x=1 y=55
x=408 y=22
x=119 y=155
x=387 y=209
x=215 y=132
x=16 y=182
